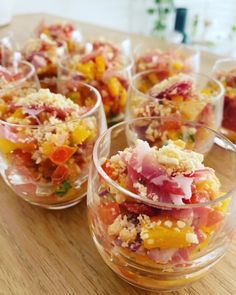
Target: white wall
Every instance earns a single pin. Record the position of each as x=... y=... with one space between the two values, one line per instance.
x=126 y=15
x=112 y=13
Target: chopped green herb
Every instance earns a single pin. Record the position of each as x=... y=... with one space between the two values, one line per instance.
x=63 y=188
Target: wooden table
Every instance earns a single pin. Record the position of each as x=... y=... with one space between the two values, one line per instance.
x=51 y=252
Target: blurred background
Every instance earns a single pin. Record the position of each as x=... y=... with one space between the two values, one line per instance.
x=206 y=24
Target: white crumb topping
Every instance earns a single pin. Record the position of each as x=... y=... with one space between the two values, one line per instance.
x=46 y=98
x=165 y=84
x=178 y=158
x=192 y=238
x=181 y=224
x=168 y=223
x=141 y=189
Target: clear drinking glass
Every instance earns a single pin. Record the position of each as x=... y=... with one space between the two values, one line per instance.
x=225 y=71
x=7 y=49
x=116 y=42
x=44 y=54
x=62 y=32
x=167 y=62
x=47 y=165
x=110 y=77
x=114 y=207
x=17 y=79
x=204 y=103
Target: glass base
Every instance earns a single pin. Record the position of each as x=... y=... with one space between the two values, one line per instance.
x=150 y=279
x=115 y=120
x=231 y=135
x=58 y=206
x=46 y=203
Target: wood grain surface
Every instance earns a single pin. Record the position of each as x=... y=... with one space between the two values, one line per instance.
x=51 y=252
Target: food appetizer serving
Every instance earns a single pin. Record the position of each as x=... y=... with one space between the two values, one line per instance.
x=17 y=79
x=159 y=214
x=181 y=59
x=44 y=54
x=105 y=68
x=46 y=144
x=225 y=71
x=193 y=97
x=62 y=32
x=7 y=49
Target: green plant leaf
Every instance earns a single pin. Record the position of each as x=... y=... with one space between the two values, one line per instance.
x=151 y=10
x=63 y=188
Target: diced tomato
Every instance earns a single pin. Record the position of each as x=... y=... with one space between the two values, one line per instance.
x=109 y=212
x=214 y=217
x=200 y=196
x=201 y=216
x=60 y=174
x=108 y=169
x=23 y=158
x=62 y=154
x=138 y=208
x=172 y=125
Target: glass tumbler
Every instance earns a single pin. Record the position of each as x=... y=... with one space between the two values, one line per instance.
x=196 y=97
x=47 y=165
x=17 y=79
x=225 y=71
x=154 y=256
x=7 y=49
x=168 y=62
x=44 y=54
x=110 y=77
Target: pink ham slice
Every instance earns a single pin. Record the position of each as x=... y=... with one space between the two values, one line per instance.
x=182 y=88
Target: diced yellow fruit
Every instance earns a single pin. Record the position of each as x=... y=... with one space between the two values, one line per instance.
x=165 y=238
x=231 y=92
x=180 y=143
x=191 y=108
x=88 y=69
x=18 y=114
x=173 y=135
x=47 y=148
x=70 y=45
x=114 y=86
x=75 y=96
x=107 y=108
x=212 y=183
x=178 y=98
x=3 y=108
x=100 y=66
x=80 y=134
x=207 y=91
x=46 y=31
x=178 y=65
x=123 y=97
x=89 y=102
x=209 y=229
x=144 y=86
x=153 y=78
x=6 y=146
x=224 y=205
x=201 y=246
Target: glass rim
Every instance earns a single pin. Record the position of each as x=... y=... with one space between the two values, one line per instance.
x=221 y=61
x=145 y=200
x=22 y=80
x=85 y=115
x=150 y=97
x=144 y=48
x=63 y=66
